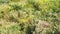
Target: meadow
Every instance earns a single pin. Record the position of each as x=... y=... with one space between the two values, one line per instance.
x=29 y=16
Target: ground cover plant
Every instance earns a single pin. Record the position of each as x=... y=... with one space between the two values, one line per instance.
x=29 y=16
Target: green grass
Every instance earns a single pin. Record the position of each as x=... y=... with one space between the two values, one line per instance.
x=23 y=16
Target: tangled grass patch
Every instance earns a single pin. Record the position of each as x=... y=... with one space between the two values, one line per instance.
x=29 y=16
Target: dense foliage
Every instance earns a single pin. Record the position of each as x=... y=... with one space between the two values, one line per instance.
x=24 y=16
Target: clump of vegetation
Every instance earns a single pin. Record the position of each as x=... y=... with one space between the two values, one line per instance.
x=29 y=16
